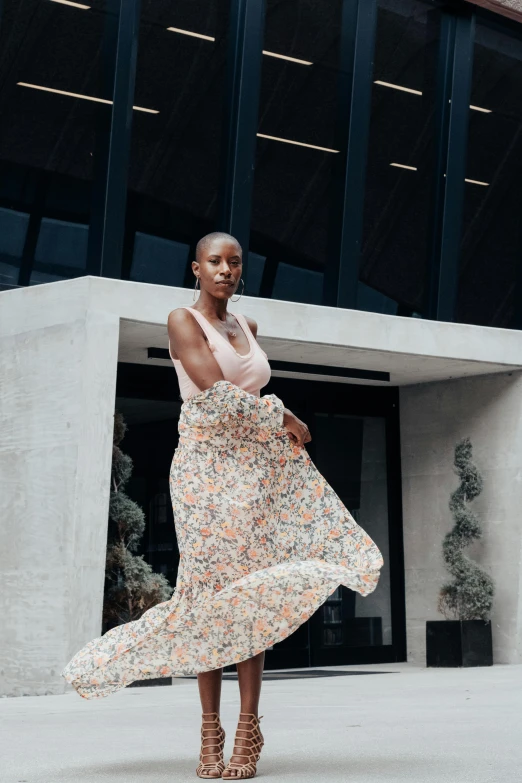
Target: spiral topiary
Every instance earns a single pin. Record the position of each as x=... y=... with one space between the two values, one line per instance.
x=470 y=595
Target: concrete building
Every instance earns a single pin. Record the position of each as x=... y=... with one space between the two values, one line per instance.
x=367 y=156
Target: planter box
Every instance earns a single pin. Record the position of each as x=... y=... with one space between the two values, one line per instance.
x=459 y=643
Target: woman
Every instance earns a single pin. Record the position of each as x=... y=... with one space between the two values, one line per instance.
x=263 y=539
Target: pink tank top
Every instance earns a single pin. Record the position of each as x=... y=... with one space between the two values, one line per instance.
x=250 y=371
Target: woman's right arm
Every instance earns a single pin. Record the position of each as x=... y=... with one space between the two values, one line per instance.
x=188 y=342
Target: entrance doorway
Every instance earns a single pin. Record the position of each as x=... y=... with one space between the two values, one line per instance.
x=355 y=445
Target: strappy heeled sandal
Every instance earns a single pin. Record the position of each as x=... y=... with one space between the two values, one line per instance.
x=215 y=742
x=250 y=751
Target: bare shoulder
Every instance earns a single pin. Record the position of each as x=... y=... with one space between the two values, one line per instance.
x=178 y=318
x=252 y=324
x=182 y=326
x=179 y=315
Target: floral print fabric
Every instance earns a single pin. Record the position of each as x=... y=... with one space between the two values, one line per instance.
x=263 y=538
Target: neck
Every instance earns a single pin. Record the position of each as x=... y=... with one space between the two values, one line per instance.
x=211 y=307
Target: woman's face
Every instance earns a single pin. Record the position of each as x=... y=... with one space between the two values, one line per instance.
x=219 y=268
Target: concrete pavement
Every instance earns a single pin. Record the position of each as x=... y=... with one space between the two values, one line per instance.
x=414 y=724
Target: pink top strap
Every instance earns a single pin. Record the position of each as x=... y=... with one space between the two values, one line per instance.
x=250 y=371
x=205 y=325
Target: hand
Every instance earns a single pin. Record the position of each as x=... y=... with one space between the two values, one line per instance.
x=298 y=432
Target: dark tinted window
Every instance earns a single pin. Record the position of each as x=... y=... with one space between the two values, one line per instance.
x=491 y=249
x=296 y=148
x=51 y=85
x=400 y=159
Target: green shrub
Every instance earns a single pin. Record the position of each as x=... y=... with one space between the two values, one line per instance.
x=131 y=586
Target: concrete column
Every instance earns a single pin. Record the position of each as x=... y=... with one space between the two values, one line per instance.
x=57 y=390
x=434 y=417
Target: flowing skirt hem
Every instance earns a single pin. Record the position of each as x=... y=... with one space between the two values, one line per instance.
x=227 y=627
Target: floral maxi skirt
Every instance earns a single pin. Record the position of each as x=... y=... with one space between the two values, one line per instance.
x=263 y=539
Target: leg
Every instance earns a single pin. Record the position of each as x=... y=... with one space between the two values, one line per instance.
x=250 y=676
x=249 y=739
x=212 y=735
x=209 y=684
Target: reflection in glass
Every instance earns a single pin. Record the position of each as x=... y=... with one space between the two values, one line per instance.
x=256 y=266
x=61 y=251
x=336 y=596
x=13 y=230
x=158 y=511
x=332 y=614
x=297 y=285
x=332 y=637
x=158 y=260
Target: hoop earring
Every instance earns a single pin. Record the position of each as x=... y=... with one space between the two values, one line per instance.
x=195 y=289
x=241 y=294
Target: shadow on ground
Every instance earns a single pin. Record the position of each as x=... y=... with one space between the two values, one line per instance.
x=319 y=768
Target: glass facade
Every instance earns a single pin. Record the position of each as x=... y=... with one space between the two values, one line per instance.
x=491 y=247
x=54 y=105
x=400 y=169
x=365 y=152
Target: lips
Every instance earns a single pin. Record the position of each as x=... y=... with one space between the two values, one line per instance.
x=222 y=282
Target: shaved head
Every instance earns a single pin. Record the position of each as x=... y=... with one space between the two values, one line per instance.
x=205 y=242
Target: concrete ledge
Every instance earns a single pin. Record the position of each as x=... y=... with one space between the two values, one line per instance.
x=282 y=321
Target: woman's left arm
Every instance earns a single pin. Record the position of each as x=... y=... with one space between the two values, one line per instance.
x=297 y=430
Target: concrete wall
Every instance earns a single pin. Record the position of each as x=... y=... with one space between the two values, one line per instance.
x=433 y=418
x=57 y=389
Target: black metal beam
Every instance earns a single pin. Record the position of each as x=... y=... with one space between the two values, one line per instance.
x=358 y=25
x=244 y=61
x=453 y=109
x=328 y=369
x=456 y=165
x=110 y=190
x=395 y=529
x=442 y=112
x=301 y=367
x=33 y=228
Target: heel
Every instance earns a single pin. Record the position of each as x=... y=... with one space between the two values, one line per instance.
x=211 y=723
x=249 y=751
